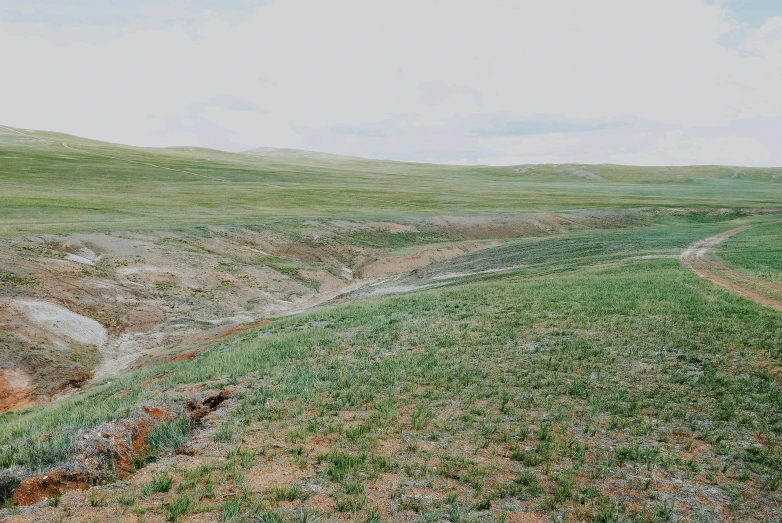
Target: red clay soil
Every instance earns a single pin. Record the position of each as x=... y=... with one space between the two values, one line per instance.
x=50 y=485
x=112 y=446
x=138 y=440
x=12 y=396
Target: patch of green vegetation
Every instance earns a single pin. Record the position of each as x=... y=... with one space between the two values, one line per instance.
x=11 y=283
x=707 y=215
x=169 y=436
x=526 y=486
x=126 y=500
x=164 y=285
x=235 y=508
x=159 y=483
x=14 y=279
x=756 y=252
x=379 y=238
x=97 y=499
x=270 y=517
x=181 y=506
x=287 y=268
x=225 y=433
x=289 y=493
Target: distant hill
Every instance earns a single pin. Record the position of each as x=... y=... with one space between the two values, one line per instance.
x=55 y=182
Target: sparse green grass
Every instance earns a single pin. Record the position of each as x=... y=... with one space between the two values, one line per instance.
x=601 y=369
x=577 y=382
x=164 y=285
x=181 y=506
x=10 y=281
x=225 y=433
x=159 y=483
x=394 y=240
x=237 y=508
x=97 y=499
x=285 y=267
x=168 y=436
x=287 y=493
x=126 y=500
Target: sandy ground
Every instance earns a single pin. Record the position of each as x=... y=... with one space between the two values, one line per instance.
x=61 y=323
x=402 y=264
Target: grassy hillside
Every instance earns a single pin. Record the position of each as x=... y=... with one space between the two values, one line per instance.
x=566 y=367
x=59 y=183
x=663 y=236
x=624 y=391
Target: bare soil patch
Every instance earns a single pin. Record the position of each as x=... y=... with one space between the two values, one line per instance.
x=16 y=389
x=402 y=264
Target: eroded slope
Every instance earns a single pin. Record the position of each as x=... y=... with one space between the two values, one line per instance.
x=89 y=306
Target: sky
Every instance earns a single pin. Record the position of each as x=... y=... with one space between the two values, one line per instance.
x=500 y=82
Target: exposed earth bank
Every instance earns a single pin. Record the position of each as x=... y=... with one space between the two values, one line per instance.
x=89 y=306
x=86 y=307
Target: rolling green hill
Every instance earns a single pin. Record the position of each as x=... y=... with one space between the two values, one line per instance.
x=565 y=362
x=60 y=183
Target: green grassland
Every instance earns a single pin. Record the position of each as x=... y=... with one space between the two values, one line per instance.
x=54 y=183
x=756 y=252
x=580 y=384
x=660 y=236
x=583 y=376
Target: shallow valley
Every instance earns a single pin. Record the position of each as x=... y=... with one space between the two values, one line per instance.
x=243 y=337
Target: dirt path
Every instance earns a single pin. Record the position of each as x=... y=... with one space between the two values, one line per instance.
x=695 y=257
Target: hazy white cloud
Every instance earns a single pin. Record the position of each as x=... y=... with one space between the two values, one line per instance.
x=495 y=81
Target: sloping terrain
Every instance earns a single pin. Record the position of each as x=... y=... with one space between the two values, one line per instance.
x=88 y=306
x=54 y=184
x=92 y=305
x=629 y=389
x=279 y=336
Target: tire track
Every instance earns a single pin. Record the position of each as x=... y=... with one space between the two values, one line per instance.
x=696 y=258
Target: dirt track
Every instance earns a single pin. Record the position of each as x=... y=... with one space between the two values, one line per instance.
x=695 y=257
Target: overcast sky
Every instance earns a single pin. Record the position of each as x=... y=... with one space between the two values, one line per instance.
x=457 y=81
